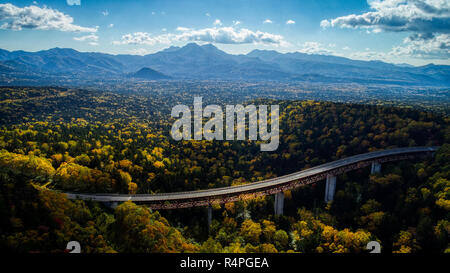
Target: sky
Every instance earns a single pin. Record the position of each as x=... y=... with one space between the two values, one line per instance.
x=415 y=32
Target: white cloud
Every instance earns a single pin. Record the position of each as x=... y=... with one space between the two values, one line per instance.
x=325 y=23
x=110 y=25
x=427 y=20
x=183 y=29
x=34 y=17
x=435 y=46
x=139 y=51
x=207 y=14
x=290 y=22
x=267 y=21
x=399 y=15
x=93 y=43
x=142 y=38
x=369 y=55
x=73 y=2
x=222 y=35
x=105 y=13
x=230 y=35
x=217 y=22
x=91 y=37
x=315 y=48
x=236 y=23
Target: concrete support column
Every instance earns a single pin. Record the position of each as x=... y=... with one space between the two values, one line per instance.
x=209 y=215
x=330 y=188
x=376 y=168
x=112 y=205
x=279 y=203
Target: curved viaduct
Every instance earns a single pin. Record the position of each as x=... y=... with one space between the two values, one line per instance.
x=327 y=171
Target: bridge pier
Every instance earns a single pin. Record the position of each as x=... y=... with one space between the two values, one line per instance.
x=376 y=167
x=112 y=205
x=209 y=216
x=279 y=203
x=330 y=188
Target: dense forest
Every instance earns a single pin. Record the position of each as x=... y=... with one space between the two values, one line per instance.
x=60 y=139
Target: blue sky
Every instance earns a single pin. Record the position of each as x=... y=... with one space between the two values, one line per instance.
x=399 y=31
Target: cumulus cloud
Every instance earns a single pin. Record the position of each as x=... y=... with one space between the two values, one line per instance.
x=424 y=46
x=34 y=17
x=427 y=20
x=290 y=22
x=142 y=38
x=222 y=35
x=267 y=21
x=105 y=13
x=217 y=22
x=230 y=35
x=399 y=15
x=434 y=47
x=236 y=22
x=73 y=2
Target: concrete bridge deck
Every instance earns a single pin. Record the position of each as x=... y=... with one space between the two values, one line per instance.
x=265 y=187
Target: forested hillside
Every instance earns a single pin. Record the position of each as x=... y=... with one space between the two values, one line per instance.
x=87 y=141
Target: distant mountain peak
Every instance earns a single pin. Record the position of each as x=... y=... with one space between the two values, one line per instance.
x=148 y=74
x=262 y=50
x=263 y=54
x=210 y=46
x=191 y=45
x=194 y=49
x=191 y=48
x=171 y=49
x=60 y=49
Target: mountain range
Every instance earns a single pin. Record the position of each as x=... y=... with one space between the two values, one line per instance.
x=207 y=62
